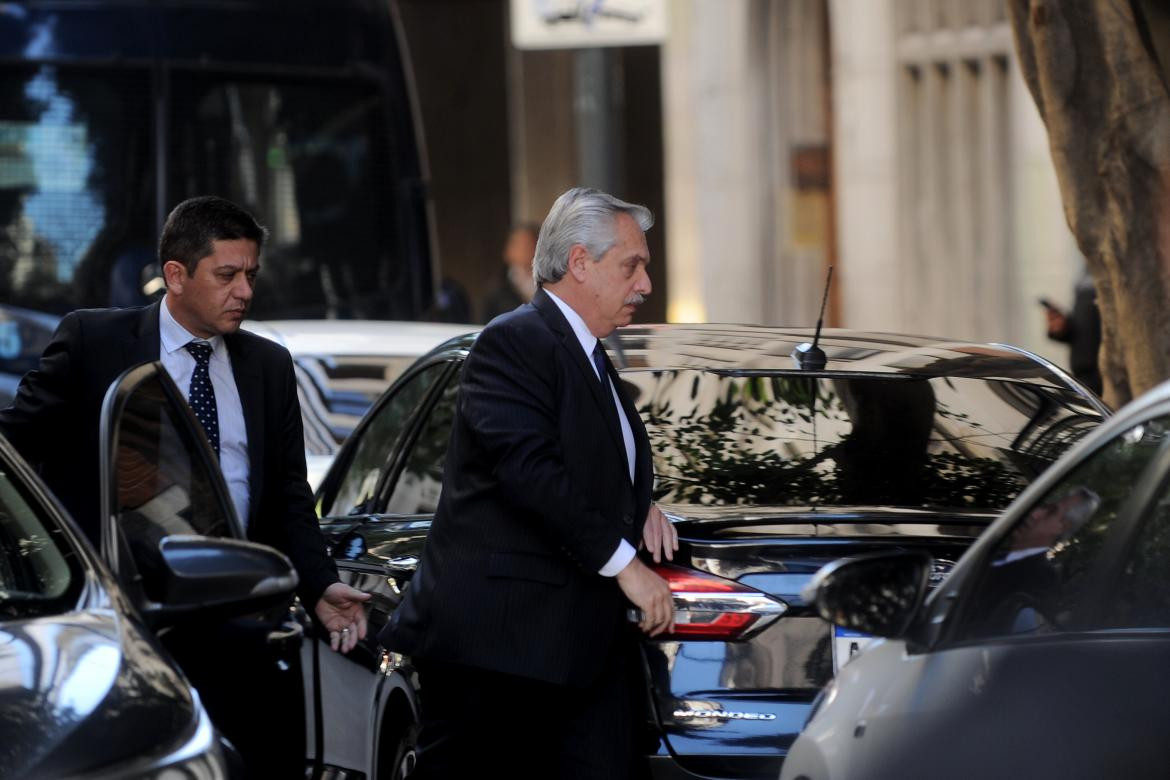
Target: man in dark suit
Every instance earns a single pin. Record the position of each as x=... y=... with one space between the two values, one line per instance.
x=241 y=386
x=516 y=617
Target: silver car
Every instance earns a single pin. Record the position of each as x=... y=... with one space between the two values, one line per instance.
x=1043 y=654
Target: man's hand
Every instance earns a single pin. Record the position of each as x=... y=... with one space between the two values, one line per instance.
x=659 y=535
x=649 y=593
x=340 y=610
x=1057 y=322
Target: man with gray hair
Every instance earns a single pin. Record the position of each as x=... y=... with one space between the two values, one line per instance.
x=516 y=617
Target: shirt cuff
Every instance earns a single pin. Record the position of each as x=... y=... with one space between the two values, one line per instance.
x=619 y=560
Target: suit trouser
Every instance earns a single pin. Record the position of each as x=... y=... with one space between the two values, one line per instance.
x=479 y=723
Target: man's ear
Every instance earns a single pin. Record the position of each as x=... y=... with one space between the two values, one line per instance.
x=579 y=260
x=175 y=275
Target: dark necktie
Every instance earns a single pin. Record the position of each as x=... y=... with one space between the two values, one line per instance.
x=599 y=361
x=202 y=394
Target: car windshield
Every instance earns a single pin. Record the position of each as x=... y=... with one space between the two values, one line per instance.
x=39 y=571
x=793 y=440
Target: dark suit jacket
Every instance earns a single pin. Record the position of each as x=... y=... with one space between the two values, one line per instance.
x=54 y=423
x=536 y=498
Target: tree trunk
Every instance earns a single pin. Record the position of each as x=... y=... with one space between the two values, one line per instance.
x=1092 y=71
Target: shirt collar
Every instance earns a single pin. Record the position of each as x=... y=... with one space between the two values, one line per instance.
x=580 y=329
x=174 y=336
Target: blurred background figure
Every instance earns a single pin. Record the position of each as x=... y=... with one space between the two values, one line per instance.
x=1081 y=330
x=516 y=285
x=450 y=304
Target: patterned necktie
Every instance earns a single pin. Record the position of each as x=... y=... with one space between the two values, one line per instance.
x=599 y=361
x=202 y=394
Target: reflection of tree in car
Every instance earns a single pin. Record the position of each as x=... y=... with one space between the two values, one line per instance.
x=755 y=440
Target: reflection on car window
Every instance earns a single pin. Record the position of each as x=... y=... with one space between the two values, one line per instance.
x=39 y=573
x=944 y=442
x=378 y=441
x=162 y=488
x=1143 y=593
x=1036 y=577
x=421 y=480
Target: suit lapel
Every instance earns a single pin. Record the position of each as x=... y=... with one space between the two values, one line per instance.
x=144 y=344
x=250 y=384
x=558 y=324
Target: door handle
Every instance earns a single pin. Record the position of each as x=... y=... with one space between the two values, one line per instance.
x=287 y=637
x=403 y=566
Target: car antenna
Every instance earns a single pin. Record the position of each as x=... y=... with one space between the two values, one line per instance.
x=810 y=357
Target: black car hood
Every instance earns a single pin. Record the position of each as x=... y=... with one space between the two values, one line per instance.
x=83 y=690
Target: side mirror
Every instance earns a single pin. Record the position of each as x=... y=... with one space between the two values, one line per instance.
x=877 y=594
x=204 y=574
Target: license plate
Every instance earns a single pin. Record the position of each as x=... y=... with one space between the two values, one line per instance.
x=846 y=644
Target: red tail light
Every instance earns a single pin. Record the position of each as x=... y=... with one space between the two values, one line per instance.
x=710 y=607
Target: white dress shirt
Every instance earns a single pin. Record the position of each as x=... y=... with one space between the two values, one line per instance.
x=233 y=434
x=625 y=551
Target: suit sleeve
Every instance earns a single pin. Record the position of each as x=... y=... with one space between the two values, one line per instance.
x=508 y=398
x=301 y=538
x=39 y=411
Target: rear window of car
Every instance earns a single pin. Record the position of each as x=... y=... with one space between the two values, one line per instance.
x=904 y=441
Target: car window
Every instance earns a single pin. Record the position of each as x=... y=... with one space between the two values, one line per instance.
x=1142 y=598
x=417 y=490
x=1036 y=578
x=39 y=572
x=784 y=440
x=378 y=440
x=164 y=484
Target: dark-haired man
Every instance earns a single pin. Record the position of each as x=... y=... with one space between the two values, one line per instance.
x=242 y=387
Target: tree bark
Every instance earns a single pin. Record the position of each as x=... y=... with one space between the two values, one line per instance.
x=1097 y=82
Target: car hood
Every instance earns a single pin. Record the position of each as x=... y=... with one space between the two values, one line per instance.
x=83 y=690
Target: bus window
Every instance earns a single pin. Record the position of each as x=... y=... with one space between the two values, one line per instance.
x=76 y=197
x=308 y=158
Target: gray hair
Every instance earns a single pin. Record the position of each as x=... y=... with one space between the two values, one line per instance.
x=580 y=216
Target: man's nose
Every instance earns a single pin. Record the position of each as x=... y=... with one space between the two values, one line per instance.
x=643 y=285
x=242 y=289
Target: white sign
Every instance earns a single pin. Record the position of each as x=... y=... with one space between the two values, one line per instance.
x=573 y=24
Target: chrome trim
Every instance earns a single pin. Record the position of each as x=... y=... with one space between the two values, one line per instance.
x=1089 y=396
x=739 y=603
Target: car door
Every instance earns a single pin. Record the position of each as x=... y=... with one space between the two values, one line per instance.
x=160 y=487
x=1054 y=661
x=376 y=505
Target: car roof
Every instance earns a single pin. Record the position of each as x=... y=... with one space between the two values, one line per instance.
x=765 y=349
x=356 y=337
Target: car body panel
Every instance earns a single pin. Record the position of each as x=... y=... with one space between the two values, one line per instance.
x=1077 y=702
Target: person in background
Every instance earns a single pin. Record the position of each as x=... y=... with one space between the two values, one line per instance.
x=1081 y=330
x=516 y=285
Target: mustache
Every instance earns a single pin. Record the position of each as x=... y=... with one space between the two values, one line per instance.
x=636 y=299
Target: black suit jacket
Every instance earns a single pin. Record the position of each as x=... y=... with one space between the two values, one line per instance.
x=54 y=423
x=536 y=498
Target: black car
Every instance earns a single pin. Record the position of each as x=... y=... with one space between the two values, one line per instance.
x=769 y=471
x=1044 y=655
x=88 y=684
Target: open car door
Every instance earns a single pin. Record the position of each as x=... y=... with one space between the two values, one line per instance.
x=218 y=603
